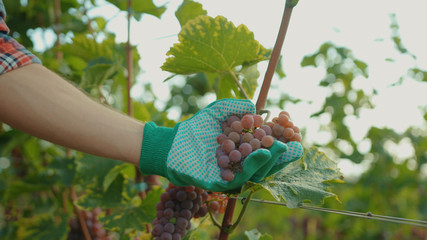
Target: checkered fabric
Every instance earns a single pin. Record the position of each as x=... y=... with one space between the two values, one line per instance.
x=12 y=54
x=194 y=147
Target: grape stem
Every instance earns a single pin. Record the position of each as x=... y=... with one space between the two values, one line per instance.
x=214 y=220
x=236 y=80
x=242 y=212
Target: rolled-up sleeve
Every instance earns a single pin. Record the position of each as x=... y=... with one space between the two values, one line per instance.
x=12 y=54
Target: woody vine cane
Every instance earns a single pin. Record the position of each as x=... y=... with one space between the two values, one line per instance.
x=227 y=226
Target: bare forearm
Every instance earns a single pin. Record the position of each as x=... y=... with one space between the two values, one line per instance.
x=39 y=102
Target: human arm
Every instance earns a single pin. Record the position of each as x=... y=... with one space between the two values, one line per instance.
x=35 y=100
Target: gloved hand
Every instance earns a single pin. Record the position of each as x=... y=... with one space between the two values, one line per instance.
x=185 y=154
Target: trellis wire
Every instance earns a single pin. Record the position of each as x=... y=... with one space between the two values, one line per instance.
x=367 y=215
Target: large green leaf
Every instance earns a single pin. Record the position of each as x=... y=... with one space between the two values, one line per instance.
x=97 y=71
x=209 y=44
x=189 y=10
x=306 y=180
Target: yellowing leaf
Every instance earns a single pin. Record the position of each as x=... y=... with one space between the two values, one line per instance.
x=209 y=44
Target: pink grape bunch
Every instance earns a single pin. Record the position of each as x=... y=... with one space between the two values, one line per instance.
x=241 y=136
x=177 y=206
x=94 y=227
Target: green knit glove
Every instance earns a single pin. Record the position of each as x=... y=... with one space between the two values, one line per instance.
x=186 y=153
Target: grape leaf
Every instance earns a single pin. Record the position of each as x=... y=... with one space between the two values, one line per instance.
x=65 y=169
x=134 y=217
x=97 y=197
x=189 y=10
x=306 y=180
x=127 y=170
x=209 y=44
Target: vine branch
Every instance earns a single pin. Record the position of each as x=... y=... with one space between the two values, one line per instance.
x=272 y=64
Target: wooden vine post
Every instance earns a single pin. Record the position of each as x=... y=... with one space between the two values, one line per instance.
x=227 y=225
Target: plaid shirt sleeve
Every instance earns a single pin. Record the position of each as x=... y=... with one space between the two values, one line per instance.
x=12 y=54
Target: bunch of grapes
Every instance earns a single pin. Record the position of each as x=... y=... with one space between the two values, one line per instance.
x=177 y=206
x=94 y=226
x=241 y=136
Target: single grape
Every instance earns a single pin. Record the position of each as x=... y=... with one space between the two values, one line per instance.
x=258 y=121
x=288 y=133
x=277 y=130
x=232 y=119
x=247 y=121
x=203 y=209
x=191 y=195
x=234 y=136
x=275 y=120
x=227 y=131
x=259 y=133
x=228 y=146
x=237 y=127
x=227 y=175
x=267 y=141
x=221 y=138
x=247 y=137
x=181 y=195
x=235 y=156
x=284 y=113
x=296 y=129
x=214 y=206
x=165 y=197
x=169 y=227
x=181 y=222
x=185 y=213
x=255 y=144
x=283 y=120
x=296 y=138
x=223 y=161
x=290 y=124
x=267 y=129
x=160 y=214
x=166 y=236
x=176 y=236
x=245 y=149
x=157 y=230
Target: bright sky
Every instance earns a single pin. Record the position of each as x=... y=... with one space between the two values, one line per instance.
x=362 y=26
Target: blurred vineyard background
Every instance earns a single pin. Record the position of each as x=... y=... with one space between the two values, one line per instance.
x=36 y=177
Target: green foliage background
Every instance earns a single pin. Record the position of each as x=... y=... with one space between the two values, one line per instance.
x=36 y=176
